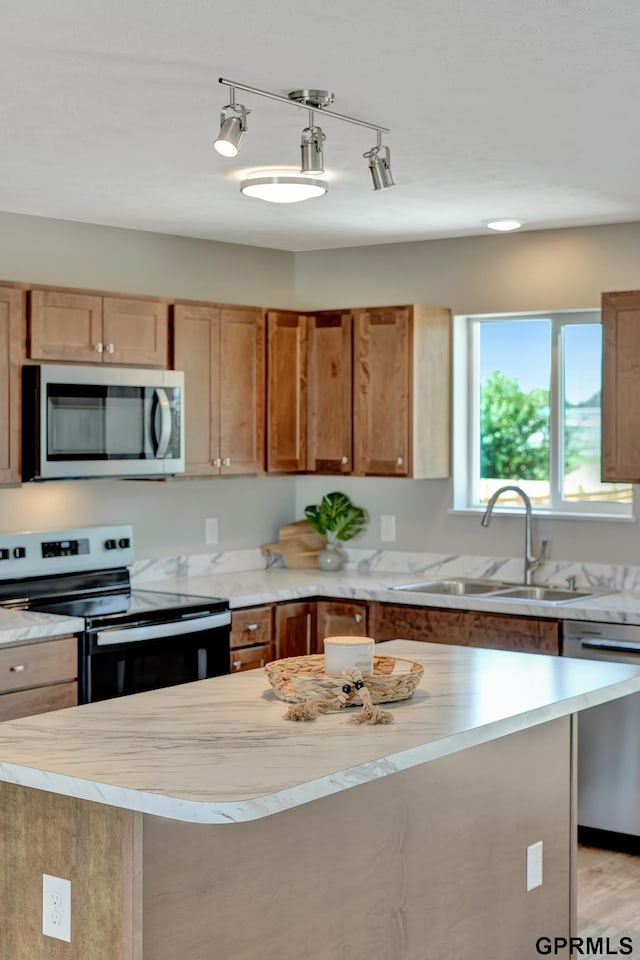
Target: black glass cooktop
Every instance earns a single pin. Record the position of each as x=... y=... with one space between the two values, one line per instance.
x=139 y=606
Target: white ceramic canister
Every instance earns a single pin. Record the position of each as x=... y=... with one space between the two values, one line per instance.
x=341 y=652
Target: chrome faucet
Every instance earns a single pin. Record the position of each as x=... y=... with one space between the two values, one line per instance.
x=531 y=562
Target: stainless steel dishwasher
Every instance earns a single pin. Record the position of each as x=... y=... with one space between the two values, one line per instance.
x=608 y=735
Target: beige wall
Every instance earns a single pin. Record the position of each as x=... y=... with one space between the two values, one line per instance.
x=542 y=270
x=562 y=269
x=168 y=517
x=131 y=261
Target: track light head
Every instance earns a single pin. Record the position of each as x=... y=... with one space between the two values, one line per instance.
x=311 y=150
x=379 y=158
x=233 y=126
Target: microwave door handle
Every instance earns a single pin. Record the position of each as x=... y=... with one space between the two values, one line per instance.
x=162 y=403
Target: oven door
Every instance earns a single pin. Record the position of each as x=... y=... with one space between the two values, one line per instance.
x=92 y=422
x=117 y=661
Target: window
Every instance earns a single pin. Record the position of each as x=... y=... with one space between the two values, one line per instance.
x=533 y=413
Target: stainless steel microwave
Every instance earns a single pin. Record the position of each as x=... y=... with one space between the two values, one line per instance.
x=82 y=421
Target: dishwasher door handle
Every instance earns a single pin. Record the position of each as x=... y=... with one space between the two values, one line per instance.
x=611 y=646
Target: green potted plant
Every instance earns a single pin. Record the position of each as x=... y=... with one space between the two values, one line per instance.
x=337 y=518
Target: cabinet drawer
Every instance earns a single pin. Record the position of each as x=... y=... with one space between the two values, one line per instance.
x=35 y=664
x=27 y=703
x=248 y=658
x=251 y=627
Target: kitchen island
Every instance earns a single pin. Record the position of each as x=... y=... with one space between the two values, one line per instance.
x=195 y=822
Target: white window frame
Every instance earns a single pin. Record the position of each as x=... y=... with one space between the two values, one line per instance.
x=466 y=420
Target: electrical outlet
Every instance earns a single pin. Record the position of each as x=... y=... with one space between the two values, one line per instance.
x=534 y=865
x=211 y=530
x=388 y=527
x=56 y=907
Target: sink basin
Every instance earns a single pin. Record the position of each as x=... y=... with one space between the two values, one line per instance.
x=458 y=587
x=546 y=594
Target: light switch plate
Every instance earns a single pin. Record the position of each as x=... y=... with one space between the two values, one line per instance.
x=534 y=865
x=388 y=527
x=56 y=907
x=211 y=530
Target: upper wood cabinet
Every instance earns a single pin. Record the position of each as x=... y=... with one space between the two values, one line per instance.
x=402 y=391
x=286 y=392
x=87 y=328
x=329 y=393
x=221 y=350
x=11 y=340
x=620 y=387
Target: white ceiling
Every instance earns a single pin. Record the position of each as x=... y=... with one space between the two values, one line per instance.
x=522 y=108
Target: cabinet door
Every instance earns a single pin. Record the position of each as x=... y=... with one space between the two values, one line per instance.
x=135 y=332
x=381 y=390
x=286 y=392
x=295 y=630
x=469 y=628
x=196 y=351
x=65 y=326
x=11 y=327
x=242 y=390
x=620 y=396
x=28 y=703
x=329 y=403
x=337 y=618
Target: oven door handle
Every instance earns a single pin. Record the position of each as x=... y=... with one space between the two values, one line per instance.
x=611 y=646
x=157 y=631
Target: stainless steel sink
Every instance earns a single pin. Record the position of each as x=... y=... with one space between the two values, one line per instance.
x=546 y=594
x=458 y=587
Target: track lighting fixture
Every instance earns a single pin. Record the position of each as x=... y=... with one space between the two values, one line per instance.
x=379 y=158
x=233 y=126
x=288 y=189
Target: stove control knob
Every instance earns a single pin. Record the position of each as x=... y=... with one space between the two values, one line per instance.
x=4 y=554
x=19 y=553
x=124 y=542
x=110 y=544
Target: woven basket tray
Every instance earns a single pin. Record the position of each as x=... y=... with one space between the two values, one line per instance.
x=299 y=679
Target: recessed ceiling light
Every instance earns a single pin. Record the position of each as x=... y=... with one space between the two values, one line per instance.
x=283 y=189
x=504 y=225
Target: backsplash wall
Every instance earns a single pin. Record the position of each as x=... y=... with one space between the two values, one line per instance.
x=168 y=516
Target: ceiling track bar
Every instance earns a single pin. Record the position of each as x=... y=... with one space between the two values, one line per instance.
x=302 y=106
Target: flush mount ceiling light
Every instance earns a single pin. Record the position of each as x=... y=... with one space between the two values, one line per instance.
x=283 y=188
x=504 y=226
x=289 y=189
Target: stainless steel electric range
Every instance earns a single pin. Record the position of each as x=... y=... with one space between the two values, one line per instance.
x=133 y=640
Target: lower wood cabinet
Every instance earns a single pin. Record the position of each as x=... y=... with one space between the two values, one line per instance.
x=38 y=677
x=339 y=618
x=467 y=627
x=296 y=632
x=251 y=638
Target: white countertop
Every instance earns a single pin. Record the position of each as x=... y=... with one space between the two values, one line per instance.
x=254 y=587
x=219 y=751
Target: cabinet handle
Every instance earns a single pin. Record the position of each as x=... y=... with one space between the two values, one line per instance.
x=237 y=664
x=19 y=668
x=262 y=661
x=399 y=461
x=217 y=462
x=98 y=347
x=226 y=462
x=358 y=617
x=251 y=626
x=110 y=348
x=308 y=634
x=344 y=460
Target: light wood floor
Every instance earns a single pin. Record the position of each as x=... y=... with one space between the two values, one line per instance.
x=609 y=894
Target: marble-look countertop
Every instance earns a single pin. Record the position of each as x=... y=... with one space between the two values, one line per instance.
x=21 y=626
x=219 y=751
x=255 y=587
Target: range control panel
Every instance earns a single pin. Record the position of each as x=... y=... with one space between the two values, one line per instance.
x=65 y=551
